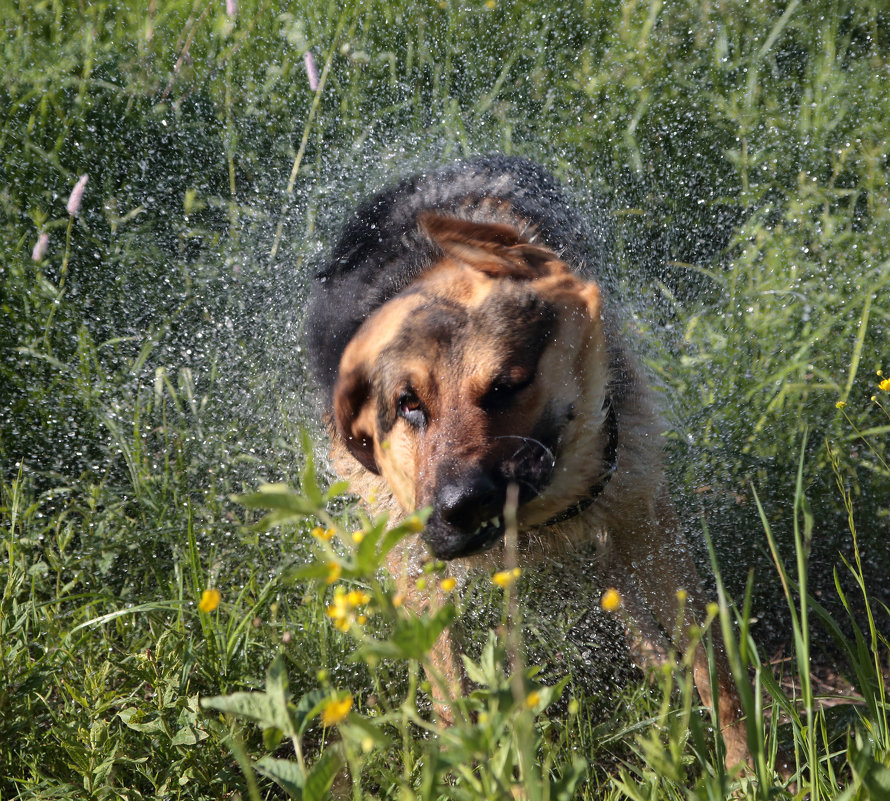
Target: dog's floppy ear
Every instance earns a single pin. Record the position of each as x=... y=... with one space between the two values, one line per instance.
x=353 y=415
x=496 y=249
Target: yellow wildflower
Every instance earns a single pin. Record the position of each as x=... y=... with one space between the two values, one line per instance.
x=414 y=524
x=342 y=610
x=334 y=571
x=323 y=533
x=611 y=600
x=504 y=578
x=682 y=595
x=209 y=600
x=532 y=699
x=885 y=385
x=358 y=536
x=448 y=584
x=398 y=599
x=840 y=405
x=335 y=710
x=357 y=598
x=713 y=609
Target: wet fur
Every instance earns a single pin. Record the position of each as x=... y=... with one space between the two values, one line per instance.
x=463 y=344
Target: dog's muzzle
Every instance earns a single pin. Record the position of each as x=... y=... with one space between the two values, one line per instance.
x=467 y=516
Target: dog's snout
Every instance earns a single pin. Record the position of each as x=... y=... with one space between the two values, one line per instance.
x=468 y=502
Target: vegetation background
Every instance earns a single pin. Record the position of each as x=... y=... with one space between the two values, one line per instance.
x=150 y=352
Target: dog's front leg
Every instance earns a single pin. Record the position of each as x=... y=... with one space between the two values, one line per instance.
x=442 y=665
x=654 y=558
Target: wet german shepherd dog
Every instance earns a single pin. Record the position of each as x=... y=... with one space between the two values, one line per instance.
x=464 y=347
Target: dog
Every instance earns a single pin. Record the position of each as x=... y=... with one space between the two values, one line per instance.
x=466 y=349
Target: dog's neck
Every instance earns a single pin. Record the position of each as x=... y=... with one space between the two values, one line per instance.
x=609 y=463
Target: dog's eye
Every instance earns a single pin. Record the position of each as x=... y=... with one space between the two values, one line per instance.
x=410 y=409
x=504 y=391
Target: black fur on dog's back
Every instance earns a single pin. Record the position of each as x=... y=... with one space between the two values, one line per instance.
x=381 y=248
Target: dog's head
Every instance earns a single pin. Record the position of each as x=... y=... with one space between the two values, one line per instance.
x=489 y=369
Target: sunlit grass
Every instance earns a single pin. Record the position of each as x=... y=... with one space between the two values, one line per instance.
x=150 y=369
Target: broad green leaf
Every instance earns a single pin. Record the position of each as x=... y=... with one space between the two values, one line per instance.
x=256 y=706
x=133 y=719
x=321 y=775
x=285 y=773
x=276 y=680
x=272 y=737
x=308 y=707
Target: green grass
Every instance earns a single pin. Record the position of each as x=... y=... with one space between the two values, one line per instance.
x=150 y=368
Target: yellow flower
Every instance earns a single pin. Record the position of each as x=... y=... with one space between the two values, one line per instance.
x=448 y=584
x=334 y=711
x=885 y=385
x=713 y=609
x=504 y=578
x=414 y=524
x=342 y=610
x=840 y=405
x=358 y=536
x=357 y=598
x=334 y=571
x=209 y=600
x=323 y=533
x=611 y=600
x=398 y=599
x=682 y=595
x=532 y=699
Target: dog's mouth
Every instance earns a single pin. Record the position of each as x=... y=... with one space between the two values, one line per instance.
x=450 y=542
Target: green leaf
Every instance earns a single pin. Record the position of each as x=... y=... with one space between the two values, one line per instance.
x=276 y=681
x=308 y=707
x=336 y=489
x=287 y=504
x=272 y=738
x=363 y=728
x=308 y=480
x=564 y=788
x=256 y=706
x=283 y=772
x=413 y=638
x=322 y=774
x=133 y=717
x=188 y=735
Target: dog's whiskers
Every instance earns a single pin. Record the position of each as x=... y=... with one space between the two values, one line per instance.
x=526 y=440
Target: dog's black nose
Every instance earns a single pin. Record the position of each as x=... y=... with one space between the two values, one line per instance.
x=469 y=501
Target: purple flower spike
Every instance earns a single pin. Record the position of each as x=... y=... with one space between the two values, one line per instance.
x=40 y=247
x=77 y=195
x=311 y=71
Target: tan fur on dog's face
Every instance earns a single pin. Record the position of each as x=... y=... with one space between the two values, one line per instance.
x=488 y=369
